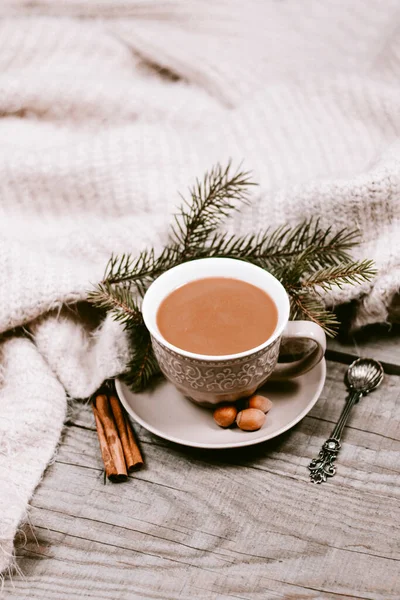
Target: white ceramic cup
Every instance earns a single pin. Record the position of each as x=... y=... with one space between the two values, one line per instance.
x=213 y=379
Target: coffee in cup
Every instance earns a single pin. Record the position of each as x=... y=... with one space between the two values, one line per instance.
x=221 y=371
x=217 y=316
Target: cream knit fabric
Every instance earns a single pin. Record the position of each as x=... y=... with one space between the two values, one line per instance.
x=104 y=120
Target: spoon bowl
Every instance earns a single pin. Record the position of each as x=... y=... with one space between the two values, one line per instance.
x=364 y=375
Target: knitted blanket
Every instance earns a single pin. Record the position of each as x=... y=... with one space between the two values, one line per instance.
x=103 y=120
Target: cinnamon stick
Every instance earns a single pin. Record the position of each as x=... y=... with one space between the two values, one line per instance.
x=111 y=433
x=136 y=454
x=122 y=430
x=109 y=466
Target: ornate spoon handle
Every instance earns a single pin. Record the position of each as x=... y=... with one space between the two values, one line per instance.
x=323 y=467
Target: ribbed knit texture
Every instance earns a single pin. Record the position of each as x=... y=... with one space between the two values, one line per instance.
x=104 y=120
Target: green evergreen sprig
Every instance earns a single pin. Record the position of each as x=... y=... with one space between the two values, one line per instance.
x=211 y=202
x=143 y=365
x=307 y=259
x=118 y=300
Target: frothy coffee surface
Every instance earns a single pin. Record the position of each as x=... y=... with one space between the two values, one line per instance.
x=217 y=316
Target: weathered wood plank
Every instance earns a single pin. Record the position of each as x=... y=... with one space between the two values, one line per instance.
x=244 y=523
x=234 y=544
x=380 y=342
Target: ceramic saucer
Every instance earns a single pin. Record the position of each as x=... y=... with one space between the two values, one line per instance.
x=167 y=413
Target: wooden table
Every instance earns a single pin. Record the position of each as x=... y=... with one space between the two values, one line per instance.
x=223 y=525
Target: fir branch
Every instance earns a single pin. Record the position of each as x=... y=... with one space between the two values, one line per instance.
x=291 y=273
x=350 y=273
x=311 y=308
x=224 y=245
x=271 y=249
x=323 y=247
x=212 y=200
x=141 y=271
x=307 y=259
x=118 y=300
x=143 y=366
x=120 y=268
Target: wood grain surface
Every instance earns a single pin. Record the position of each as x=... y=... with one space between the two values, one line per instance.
x=244 y=523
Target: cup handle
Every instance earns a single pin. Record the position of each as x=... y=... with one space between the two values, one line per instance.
x=303 y=330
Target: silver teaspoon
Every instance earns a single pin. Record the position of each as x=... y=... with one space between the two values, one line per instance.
x=362 y=376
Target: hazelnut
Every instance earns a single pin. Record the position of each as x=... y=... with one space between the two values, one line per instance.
x=250 y=419
x=260 y=402
x=225 y=415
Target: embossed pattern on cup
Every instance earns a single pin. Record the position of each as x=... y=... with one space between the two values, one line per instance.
x=214 y=381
